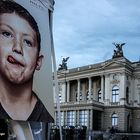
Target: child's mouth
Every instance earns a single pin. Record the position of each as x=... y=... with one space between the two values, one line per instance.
x=12 y=60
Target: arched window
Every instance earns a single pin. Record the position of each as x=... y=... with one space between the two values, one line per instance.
x=114 y=119
x=115 y=94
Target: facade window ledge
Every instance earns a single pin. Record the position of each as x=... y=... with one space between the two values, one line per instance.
x=114 y=103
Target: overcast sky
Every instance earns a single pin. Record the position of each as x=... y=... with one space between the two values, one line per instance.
x=84 y=30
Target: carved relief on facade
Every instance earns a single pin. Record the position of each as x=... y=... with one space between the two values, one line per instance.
x=115 y=79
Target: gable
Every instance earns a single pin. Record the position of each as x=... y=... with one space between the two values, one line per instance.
x=114 y=64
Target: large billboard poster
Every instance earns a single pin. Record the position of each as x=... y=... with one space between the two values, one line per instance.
x=26 y=84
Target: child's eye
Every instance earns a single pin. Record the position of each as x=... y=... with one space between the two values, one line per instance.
x=7 y=34
x=28 y=43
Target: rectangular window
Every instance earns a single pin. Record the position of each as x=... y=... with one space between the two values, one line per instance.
x=62 y=118
x=71 y=118
x=83 y=117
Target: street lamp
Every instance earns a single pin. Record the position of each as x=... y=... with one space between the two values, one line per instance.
x=63 y=70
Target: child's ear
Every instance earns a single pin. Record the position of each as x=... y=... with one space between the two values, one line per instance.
x=39 y=62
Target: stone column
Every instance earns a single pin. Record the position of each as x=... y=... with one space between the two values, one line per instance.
x=55 y=118
x=91 y=119
x=95 y=95
x=77 y=116
x=78 y=90
x=88 y=121
x=108 y=90
x=68 y=91
x=89 y=88
x=139 y=98
x=102 y=88
x=122 y=89
x=64 y=94
x=66 y=117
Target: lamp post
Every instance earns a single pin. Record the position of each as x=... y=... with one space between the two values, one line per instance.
x=63 y=70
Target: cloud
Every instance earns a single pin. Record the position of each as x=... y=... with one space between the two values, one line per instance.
x=86 y=29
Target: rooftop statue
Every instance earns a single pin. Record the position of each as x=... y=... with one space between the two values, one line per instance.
x=63 y=66
x=118 y=52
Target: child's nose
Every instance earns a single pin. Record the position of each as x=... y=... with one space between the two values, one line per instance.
x=17 y=47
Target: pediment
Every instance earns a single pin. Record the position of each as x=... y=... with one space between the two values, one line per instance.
x=114 y=64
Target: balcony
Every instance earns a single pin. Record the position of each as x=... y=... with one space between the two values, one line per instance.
x=114 y=103
x=81 y=103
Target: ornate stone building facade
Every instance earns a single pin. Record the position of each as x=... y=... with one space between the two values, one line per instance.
x=101 y=95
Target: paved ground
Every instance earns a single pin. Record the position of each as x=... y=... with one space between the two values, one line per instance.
x=107 y=136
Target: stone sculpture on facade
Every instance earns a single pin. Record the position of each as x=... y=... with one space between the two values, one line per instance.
x=118 y=52
x=63 y=66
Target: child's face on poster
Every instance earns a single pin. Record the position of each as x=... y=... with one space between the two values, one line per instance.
x=19 y=55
